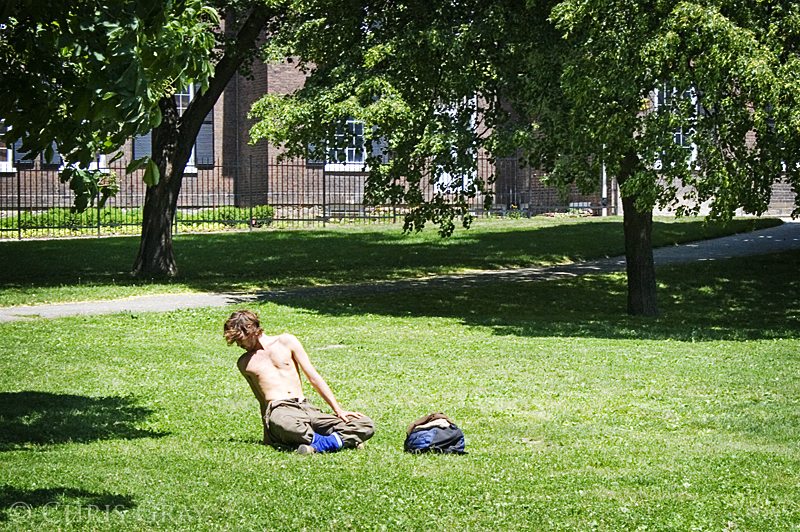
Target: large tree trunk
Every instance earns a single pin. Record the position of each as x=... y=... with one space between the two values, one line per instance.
x=171 y=152
x=642 y=299
x=172 y=148
x=155 y=249
x=638 y=227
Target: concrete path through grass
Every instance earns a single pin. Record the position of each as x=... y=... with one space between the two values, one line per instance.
x=776 y=239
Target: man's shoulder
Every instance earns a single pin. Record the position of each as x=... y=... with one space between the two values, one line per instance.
x=286 y=339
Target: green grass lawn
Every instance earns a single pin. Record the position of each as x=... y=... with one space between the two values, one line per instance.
x=577 y=417
x=42 y=271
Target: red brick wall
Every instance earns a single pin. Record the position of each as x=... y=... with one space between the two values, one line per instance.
x=782 y=203
x=245 y=162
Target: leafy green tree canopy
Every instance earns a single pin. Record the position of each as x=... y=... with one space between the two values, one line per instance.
x=248 y=23
x=703 y=93
x=572 y=82
x=410 y=74
x=84 y=76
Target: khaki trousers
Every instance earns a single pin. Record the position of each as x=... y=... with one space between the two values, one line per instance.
x=292 y=422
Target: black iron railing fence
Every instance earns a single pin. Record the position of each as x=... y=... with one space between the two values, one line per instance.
x=257 y=194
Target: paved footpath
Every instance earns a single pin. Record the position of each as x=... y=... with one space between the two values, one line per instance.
x=782 y=238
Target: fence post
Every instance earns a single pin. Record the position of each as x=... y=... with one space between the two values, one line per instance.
x=265 y=163
x=250 y=184
x=324 y=198
x=98 y=213
x=19 y=206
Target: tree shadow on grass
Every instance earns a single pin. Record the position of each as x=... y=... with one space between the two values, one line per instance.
x=41 y=418
x=734 y=299
x=216 y=262
x=23 y=502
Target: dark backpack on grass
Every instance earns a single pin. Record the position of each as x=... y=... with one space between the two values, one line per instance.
x=434 y=433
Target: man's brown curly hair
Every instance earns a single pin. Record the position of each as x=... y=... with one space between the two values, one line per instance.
x=242 y=324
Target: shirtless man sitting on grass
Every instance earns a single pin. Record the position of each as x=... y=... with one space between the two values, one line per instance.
x=272 y=367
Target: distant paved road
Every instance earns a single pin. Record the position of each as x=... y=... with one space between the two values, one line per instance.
x=782 y=238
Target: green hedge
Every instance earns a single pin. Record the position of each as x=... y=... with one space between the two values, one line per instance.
x=230 y=216
x=64 y=218
x=64 y=222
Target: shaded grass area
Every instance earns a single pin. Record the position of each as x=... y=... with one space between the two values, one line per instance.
x=736 y=299
x=48 y=501
x=85 y=269
x=577 y=417
x=29 y=417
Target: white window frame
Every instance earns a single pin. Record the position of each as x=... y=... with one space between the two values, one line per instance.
x=449 y=184
x=99 y=163
x=190 y=91
x=8 y=151
x=678 y=136
x=352 y=151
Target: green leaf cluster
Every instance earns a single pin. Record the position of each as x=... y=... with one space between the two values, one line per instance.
x=88 y=186
x=86 y=75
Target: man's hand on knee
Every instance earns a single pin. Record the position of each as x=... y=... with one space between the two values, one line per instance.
x=345 y=414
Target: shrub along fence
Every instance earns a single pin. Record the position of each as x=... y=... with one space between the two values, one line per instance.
x=259 y=194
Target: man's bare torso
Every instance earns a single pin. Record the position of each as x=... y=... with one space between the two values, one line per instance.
x=271 y=370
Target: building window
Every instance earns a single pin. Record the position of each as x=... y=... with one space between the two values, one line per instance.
x=203 y=150
x=464 y=162
x=100 y=163
x=142 y=146
x=6 y=153
x=12 y=157
x=20 y=157
x=183 y=97
x=461 y=183
x=667 y=98
x=56 y=161
x=350 y=153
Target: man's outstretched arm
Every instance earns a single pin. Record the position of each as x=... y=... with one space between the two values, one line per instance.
x=317 y=382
